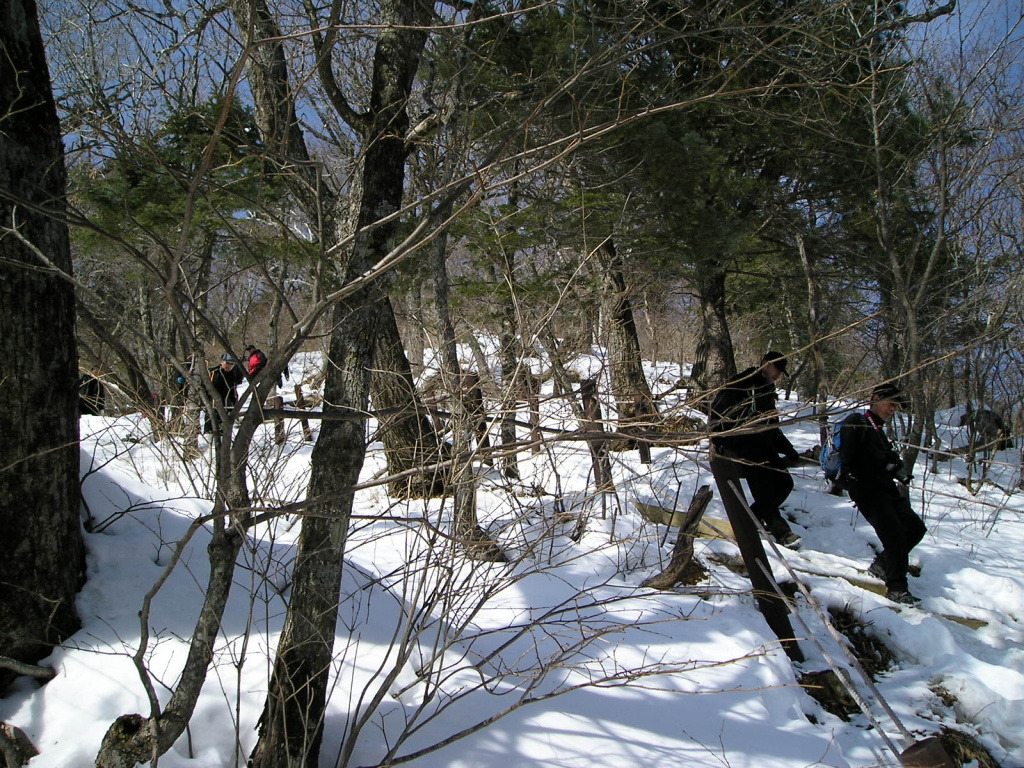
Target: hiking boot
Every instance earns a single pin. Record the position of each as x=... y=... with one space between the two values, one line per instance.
x=790 y=540
x=877 y=569
x=902 y=596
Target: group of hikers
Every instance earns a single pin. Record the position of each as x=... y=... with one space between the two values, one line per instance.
x=744 y=423
x=745 y=430
x=223 y=377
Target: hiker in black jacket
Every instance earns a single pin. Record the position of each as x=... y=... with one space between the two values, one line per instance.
x=92 y=395
x=871 y=469
x=224 y=377
x=744 y=423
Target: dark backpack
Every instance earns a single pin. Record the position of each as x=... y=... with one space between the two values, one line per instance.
x=829 y=458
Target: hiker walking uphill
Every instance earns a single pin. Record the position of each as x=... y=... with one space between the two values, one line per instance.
x=744 y=423
x=747 y=402
x=871 y=468
x=224 y=377
x=256 y=361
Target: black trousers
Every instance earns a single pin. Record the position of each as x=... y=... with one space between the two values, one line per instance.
x=897 y=526
x=213 y=419
x=769 y=486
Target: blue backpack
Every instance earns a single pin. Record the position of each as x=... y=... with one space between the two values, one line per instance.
x=829 y=458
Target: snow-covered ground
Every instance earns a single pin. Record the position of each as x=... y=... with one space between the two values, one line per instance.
x=560 y=652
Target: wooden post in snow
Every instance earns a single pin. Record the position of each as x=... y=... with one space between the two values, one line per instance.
x=300 y=402
x=591 y=422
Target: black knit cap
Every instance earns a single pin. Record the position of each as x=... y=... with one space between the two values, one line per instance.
x=775 y=358
x=889 y=391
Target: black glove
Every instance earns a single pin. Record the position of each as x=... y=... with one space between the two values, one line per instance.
x=794 y=460
x=896 y=470
x=903 y=477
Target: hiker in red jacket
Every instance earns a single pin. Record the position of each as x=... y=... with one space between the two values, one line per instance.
x=255 y=360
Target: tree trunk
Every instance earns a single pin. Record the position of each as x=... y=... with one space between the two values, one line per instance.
x=461 y=478
x=815 y=393
x=714 y=362
x=510 y=387
x=291 y=727
x=134 y=738
x=406 y=430
x=42 y=557
x=632 y=392
x=511 y=376
x=409 y=312
x=726 y=472
x=446 y=347
x=591 y=421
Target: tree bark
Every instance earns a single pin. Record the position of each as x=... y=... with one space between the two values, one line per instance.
x=42 y=557
x=407 y=434
x=632 y=392
x=714 y=361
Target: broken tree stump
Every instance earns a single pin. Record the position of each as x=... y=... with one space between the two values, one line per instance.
x=682 y=568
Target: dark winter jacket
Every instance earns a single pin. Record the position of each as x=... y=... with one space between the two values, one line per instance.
x=747 y=401
x=866 y=455
x=92 y=395
x=225 y=382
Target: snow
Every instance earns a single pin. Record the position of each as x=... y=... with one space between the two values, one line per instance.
x=575 y=662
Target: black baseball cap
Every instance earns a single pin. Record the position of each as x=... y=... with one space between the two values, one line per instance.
x=775 y=358
x=889 y=391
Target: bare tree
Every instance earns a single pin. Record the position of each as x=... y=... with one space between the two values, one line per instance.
x=292 y=721
x=936 y=237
